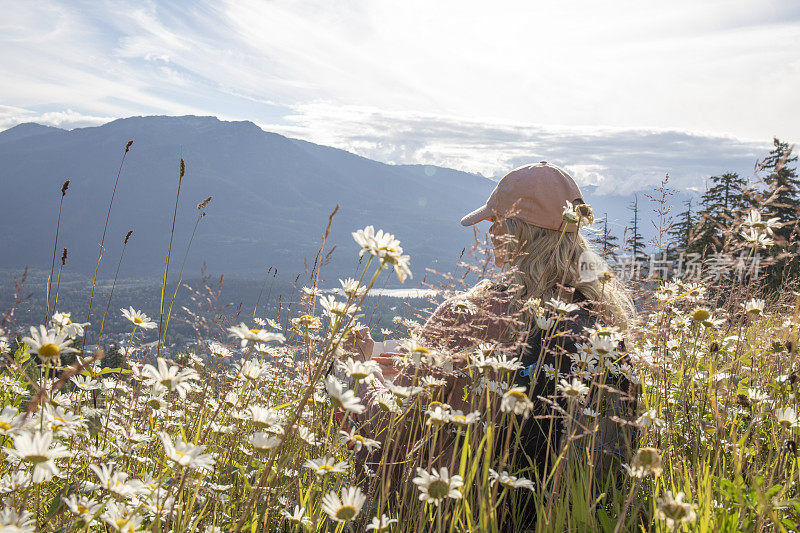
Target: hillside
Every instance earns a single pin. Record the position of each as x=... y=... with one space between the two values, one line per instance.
x=272 y=197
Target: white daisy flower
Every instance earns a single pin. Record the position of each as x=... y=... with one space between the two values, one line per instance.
x=121 y=518
x=261 y=440
x=787 y=417
x=326 y=465
x=359 y=370
x=561 y=307
x=264 y=416
x=381 y=524
x=346 y=508
x=573 y=390
x=649 y=419
x=343 y=397
x=170 y=377
x=16 y=522
x=352 y=289
x=334 y=309
x=674 y=510
x=359 y=441
x=757 y=239
x=507 y=480
x=754 y=221
x=437 y=416
x=14 y=481
x=186 y=454
x=754 y=307
x=35 y=448
x=254 y=335
x=219 y=350
x=10 y=421
x=63 y=322
x=436 y=486
x=297 y=517
x=117 y=482
x=48 y=344
x=138 y=319
x=516 y=400
x=459 y=418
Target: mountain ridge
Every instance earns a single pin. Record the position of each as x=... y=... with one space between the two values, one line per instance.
x=272 y=197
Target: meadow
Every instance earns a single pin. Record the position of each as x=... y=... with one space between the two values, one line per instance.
x=277 y=423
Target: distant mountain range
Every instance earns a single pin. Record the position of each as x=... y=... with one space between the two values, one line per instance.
x=272 y=196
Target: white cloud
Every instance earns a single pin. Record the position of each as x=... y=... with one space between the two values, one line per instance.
x=11 y=116
x=704 y=66
x=617 y=160
x=608 y=90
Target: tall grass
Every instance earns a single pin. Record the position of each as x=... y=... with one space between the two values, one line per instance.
x=266 y=426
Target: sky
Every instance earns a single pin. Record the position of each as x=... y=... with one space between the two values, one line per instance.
x=619 y=93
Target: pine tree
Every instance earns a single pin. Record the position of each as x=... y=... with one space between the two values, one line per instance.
x=783 y=181
x=681 y=232
x=722 y=203
x=784 y=184
x=606 y=241
x=635 y=242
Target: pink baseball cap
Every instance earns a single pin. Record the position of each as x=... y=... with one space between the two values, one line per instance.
x=536 y=193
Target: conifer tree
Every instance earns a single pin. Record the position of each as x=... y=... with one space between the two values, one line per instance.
x=784 y=184
x=606 y=241
x=683 y=229
x=635 y=242
x=722 y=203
x=783 y=181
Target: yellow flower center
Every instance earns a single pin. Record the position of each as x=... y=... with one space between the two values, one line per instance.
x=180 y=454
x=346 y=512
x=438 y=489
x=359 y=438
x=36 y=459
x=82 y=509
x=49 y=350
x=325 y=468
x=121 y=522
x=517 y=394
x=459 y=419
x=5 y=426
x=255 y=331
x=138 y=320
x=701 y=314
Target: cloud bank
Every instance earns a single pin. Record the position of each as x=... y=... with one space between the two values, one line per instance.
x=617 y=160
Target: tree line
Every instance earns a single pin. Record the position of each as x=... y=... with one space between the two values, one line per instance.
x=711 y=224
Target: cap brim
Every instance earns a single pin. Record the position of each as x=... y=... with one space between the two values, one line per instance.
x=482 y=213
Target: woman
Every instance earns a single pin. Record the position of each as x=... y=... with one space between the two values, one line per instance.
x=540 y=312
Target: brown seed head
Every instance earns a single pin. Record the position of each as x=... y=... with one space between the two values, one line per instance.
x=791 y=446
x=64 y=257
x=183 y=167
x=790 y=346
x=128 y=146
x=64 y=188
x=713 y=347
x=203 y=204
x=128 y=236
x=743 y=400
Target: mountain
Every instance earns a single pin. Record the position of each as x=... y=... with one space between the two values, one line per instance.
x=272 y=196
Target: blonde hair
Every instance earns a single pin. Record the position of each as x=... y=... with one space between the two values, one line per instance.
x=539 y=259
